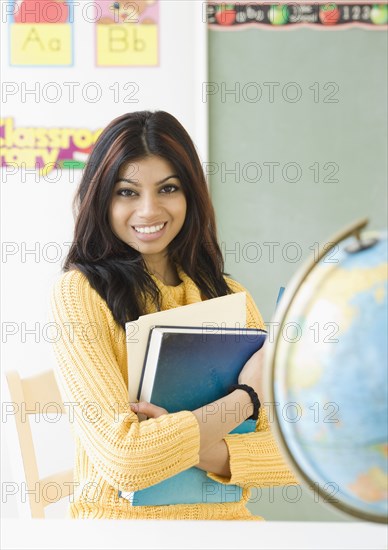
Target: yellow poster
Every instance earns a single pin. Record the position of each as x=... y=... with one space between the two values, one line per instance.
x=41 y=33
x=127 y=33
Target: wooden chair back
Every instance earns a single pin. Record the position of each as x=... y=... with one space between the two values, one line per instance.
x=36 y=395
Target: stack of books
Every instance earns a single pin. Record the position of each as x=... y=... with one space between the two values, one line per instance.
x=184 y=359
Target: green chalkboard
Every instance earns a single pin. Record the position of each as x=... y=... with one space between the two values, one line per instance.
x=294 y=172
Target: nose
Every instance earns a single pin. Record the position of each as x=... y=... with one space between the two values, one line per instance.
x=149 y=207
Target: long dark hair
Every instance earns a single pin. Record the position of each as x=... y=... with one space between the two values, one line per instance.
x=114 y=269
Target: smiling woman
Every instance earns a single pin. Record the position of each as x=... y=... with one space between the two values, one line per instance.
x=133 y=156
x=145 y=240
x=148 y=210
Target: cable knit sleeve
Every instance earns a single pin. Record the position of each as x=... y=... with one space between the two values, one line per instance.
x=254 y=457
x=128 y=454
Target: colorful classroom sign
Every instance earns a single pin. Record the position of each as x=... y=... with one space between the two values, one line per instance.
x=40 y=33
x=45 y=148
x=127 y=33
x=286 y=15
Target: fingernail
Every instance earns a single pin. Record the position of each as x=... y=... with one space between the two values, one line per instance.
x=135 y=407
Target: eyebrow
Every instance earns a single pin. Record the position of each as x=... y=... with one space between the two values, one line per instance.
x=136 y=183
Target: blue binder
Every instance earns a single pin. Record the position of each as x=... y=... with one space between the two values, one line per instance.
x=194 y=369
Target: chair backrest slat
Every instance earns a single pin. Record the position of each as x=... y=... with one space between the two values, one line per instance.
x=42 y=389
x=55 y=487
x=37 y=395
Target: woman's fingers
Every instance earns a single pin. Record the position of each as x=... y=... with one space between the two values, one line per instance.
x=148 y=409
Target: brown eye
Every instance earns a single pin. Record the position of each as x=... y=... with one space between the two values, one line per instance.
x=169 y=189
x=126 y=193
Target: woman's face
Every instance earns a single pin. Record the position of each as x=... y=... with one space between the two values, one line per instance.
x=148 y=206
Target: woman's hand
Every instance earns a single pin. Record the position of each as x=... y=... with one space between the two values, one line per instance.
x=148 y=409
x=252 y=372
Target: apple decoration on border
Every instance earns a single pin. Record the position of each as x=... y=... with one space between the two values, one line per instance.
x=225 y=14
x=278 y=14
x=379 y=14
x=329 y=14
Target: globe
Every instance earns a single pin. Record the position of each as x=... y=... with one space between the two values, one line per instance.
x=326 y=371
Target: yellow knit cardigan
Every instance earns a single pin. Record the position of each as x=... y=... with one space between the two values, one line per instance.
x=114 y=451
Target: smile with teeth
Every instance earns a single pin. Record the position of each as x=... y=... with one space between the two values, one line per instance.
x=150 y=228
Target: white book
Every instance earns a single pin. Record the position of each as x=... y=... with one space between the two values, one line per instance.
x=224 y=312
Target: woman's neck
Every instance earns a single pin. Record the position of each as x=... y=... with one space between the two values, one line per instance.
x=165 y=271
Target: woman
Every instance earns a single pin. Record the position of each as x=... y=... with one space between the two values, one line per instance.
x=145 y=240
